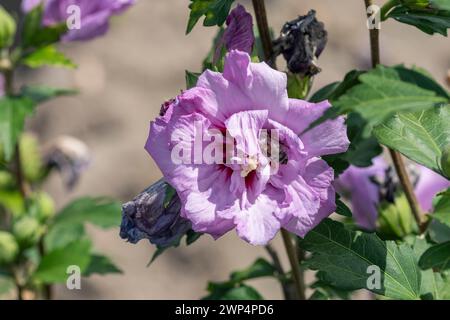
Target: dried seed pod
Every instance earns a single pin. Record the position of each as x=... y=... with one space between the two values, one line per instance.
x=301 y=42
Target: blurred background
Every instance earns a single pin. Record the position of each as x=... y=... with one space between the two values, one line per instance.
x=125 y=76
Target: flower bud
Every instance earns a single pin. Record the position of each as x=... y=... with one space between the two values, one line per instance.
x=7 y=28
x=8 y=248
x=31 y=158
x=301 y=42
x=27 y=231
x=445 y=162
x=154 y=215
x=395 y=218
x=45 y=207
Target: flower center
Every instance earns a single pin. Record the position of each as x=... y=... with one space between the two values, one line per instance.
x=249 y=165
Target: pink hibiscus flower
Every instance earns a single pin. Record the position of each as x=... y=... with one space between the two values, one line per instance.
x=247 y=193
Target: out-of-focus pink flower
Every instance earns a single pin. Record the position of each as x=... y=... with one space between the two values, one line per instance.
x=362 y=189
x=245 y=193
x=363 y=192
x=94 y=15
x=430 y=183
x=239 y=32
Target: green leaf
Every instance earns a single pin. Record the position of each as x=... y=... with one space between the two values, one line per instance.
x=442 y=208
x=234 y=288
x=324 y=93
x=102 y=212
x=192 y=236
x=343 y=257
x=342 y=209
x=260 y=268
x=324 y=291
x=48 y=56
x=242 y=292
x=382 y=92
x=363 y=145
x=100 y=265
x=440 y=4
x=69 y=224
x=35 y=34
x=13 y=111
x=436 y=257
x=215 y=12
x=53 y=266
x=6 y=284
x=436 y=286
x=337 y=163
x=420 y=136
x=41 y=94
x=428 y=21
x=7 y=28
x=438 y=231
x=60 y=235
x=420 y=78
x=191 y=79
x=335 y=90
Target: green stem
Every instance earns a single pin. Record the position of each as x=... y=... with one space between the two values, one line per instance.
x=294 y=260
x=264 y=31
x=396 y=156
x=387 y=7
x=286 y=286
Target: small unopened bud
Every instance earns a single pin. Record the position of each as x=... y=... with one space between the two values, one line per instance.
x=45 y=207
x=27 y=231
x=8 y=248
x=445 y=162
x=154 y=215
x=7 y=29
x=301 y=42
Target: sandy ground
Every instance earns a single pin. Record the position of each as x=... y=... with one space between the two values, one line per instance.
x=123 y=79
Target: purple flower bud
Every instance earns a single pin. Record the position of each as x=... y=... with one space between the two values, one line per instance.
x=301 y=42
x=154 y=216
x=94 y=15
x=239 y=32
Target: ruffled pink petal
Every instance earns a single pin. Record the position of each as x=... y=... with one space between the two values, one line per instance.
x=245 y=128
x=327 y=138
x=301 y=226
x=229 y=97
x=203 y=101
x=319 y=175
x=264 y=86
x=258 y=224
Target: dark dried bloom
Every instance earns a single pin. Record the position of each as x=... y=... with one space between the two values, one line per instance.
x=70 y=156
x=301 y=42
x=154 y=215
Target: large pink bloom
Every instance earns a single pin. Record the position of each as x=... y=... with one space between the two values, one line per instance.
x=216 y=198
